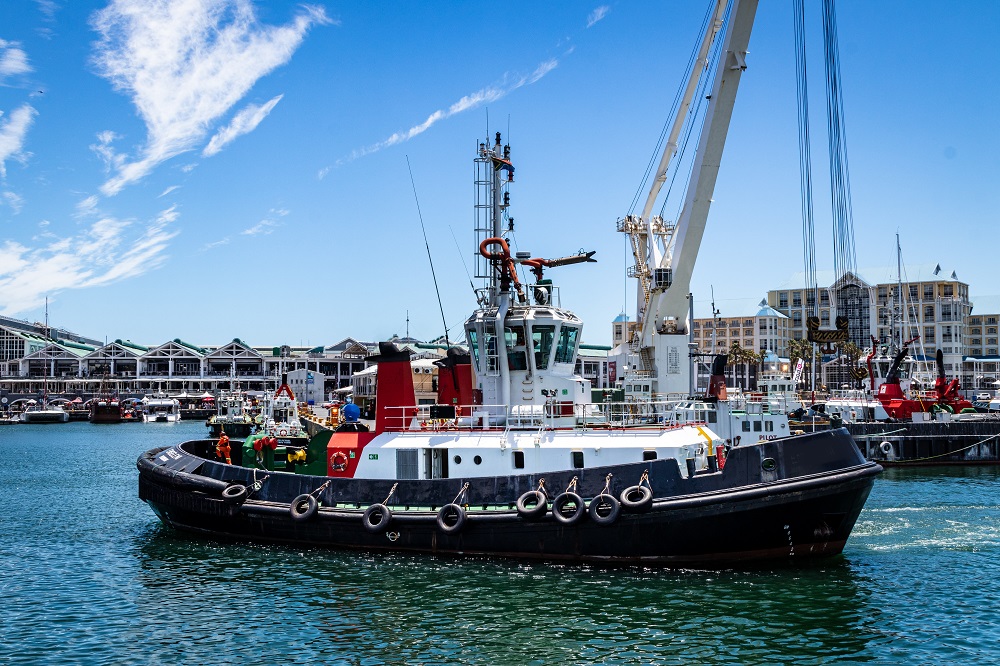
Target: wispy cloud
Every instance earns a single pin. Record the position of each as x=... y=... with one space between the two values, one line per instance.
x=597 y=15
x=483 y=96
x=101 y=255
x=209 y=246
x=13 y=200
x=168 y=191
x=267 y=225
x=185 y=64
x=13 y=60
x=242 y=123
x=13 y=130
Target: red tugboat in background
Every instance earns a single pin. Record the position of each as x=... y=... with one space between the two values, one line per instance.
x=898 y=406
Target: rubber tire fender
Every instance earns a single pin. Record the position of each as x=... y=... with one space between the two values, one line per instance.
x=235 y=493
x=560 y=502
x=446 y=511
x=303 y=507
x=637 y=498
x=385 y=517
x=607 y=500
x=532 y=512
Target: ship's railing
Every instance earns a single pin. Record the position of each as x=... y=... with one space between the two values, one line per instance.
x=551 y=415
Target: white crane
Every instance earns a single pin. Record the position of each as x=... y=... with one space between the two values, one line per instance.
x=665 y=254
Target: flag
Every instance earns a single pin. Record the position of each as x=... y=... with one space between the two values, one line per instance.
x=504 y=164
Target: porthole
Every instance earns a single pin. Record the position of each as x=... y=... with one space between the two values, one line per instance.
x=458 y=460
x=478 y=460
x=768 y=464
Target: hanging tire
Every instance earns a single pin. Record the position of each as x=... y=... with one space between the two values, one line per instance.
x=562 y=511
x=451 y=518
x=376 y=518
x=637 y=498
x=303 y=507
x=604 y=509
x=235 y=493
x=532 y=505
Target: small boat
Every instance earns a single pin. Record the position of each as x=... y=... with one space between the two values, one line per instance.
x=513 y=460
x=277 y=424
x=106 y=409
x=232 y=416
x=43 y=412
x=161 y=409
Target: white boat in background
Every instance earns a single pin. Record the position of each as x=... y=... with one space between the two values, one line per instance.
x=43 y=413
x=161 y=409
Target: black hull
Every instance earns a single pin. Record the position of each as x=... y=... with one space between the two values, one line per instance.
x=929 y=444
x=804 y=508
x=235 y=430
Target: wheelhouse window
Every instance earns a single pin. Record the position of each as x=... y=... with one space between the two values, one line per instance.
x=566 y=351
x=474 y=346
x=541 y=340
x=517 y=358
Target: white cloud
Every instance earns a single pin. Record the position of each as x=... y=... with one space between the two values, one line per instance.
x=168 y=191
x=13 y=60
x=13 y=130
x=106 y=153
x=472 y=101
x=243 y=122
x=267 y=225
x=322 y=173
x=218 y=243
x=86 y=206
x=13 y=200
x=185 y=64
x=100 y=255
x=597 y=15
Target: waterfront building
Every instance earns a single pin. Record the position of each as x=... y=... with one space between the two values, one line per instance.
x=935 y=310
x=981 y=368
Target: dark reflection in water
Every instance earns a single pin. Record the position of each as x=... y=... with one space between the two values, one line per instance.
x=99 y=580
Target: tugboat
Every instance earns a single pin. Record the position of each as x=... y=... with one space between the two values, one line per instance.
x=232 y=417
x=513 y=460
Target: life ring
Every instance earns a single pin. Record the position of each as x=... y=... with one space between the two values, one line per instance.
x=338 y=461
x=451 y=512
x=532 y=504
x=303 y=507
x=604 y=503
x=235 y=493
x=637 y=498
x=885 y=448
x=376 y=518
x=562 y=502
x=283 y=432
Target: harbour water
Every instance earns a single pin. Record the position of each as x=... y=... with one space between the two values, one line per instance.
x=90 y=576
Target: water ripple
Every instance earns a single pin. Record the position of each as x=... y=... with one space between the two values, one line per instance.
x=98 y=580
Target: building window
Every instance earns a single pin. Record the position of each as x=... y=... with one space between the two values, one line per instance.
x=797 y=300
x=928 y=334
x=928 y=292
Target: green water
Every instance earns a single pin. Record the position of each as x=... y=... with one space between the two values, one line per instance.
x=90 y=576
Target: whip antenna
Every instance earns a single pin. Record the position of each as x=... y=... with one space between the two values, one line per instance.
x=427 y=245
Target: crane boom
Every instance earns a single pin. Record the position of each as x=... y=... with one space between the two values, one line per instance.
x=664 y=333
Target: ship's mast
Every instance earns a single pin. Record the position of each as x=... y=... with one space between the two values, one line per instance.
x=492 y=200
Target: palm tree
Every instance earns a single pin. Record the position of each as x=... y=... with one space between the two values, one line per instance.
x=802 y=349
x=738 y=356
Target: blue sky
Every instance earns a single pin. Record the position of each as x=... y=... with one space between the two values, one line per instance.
x=223 y=168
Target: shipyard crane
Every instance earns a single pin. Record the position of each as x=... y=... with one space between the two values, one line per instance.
x=665 y=253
